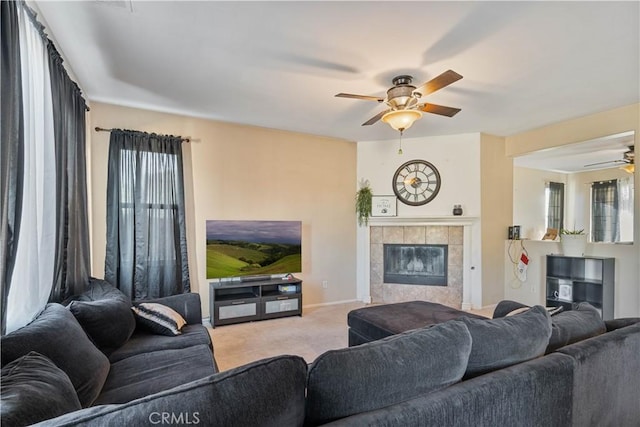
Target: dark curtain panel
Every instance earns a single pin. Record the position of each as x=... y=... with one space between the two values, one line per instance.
x=146 y=255
x=72 y=264
x=555 y=213
x=11 y=148
x=604 y=212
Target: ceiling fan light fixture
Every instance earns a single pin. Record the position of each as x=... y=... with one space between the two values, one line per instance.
x=630 y=168
x=401 y=120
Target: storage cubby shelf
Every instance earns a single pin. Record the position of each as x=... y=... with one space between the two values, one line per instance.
x=571 y=280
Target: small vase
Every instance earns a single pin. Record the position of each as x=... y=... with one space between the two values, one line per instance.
x=457 y=210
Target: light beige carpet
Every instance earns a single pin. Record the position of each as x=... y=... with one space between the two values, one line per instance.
x=318 y=330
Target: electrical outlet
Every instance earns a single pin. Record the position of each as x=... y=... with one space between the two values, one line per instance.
x=325 y=284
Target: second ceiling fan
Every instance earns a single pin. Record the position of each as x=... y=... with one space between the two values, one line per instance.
x=403 y=100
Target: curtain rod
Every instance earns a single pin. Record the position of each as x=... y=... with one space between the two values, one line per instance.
x=99 y=129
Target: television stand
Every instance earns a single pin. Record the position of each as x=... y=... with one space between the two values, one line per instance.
x=246 y=301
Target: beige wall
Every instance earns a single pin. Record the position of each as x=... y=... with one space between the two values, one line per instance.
x=496 y=186
x=244 y=172
x=627 y=292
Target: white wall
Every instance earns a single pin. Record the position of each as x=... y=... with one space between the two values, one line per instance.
x=529 y=200
x=580 y=194
x=627 y=291
x=457 y=158
x=532 y=291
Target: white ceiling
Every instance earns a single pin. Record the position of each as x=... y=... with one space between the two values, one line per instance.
x=279 y=64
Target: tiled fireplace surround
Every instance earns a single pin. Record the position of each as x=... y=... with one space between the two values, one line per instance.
x=453 y=236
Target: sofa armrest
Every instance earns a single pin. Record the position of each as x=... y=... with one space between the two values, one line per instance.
x=614 y=324
x=187 y=305
x=605 y=379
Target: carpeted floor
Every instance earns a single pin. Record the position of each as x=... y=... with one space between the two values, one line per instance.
x=318 y=330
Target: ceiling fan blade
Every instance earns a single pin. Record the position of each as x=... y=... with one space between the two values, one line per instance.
x=364 y=97
x=439 y=109
x=375 y=118
x=604 y=163
x=437 y=83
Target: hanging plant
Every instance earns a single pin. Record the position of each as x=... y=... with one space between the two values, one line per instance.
x=363 y=202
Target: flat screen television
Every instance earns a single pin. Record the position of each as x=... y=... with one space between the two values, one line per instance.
x=253 y=248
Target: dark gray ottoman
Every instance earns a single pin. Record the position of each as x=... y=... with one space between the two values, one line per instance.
x=380 y=321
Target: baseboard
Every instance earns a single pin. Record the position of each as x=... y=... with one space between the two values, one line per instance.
x=322 y=304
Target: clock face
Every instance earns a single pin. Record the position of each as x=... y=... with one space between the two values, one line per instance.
x=416 y=182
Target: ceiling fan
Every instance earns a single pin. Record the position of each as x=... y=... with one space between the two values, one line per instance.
x=628 y=159
x=403 y=97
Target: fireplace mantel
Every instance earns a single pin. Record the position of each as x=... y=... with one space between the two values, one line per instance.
x=430 y=220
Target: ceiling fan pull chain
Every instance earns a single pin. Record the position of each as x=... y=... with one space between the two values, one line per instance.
x=400 y=149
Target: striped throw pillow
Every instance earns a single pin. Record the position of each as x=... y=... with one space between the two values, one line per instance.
x=159 y=318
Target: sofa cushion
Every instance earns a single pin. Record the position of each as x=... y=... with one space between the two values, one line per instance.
x=34 y=389
x=145 y=342
x=150 y=373
x=380 y=373
x=159 y=318
x=269 y=392
x=505 y=341
x=582 y=322
x=56 y=334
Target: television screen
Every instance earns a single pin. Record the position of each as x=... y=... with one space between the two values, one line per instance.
x=253 y=248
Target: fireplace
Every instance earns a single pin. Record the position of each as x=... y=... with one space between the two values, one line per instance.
x=416 y=264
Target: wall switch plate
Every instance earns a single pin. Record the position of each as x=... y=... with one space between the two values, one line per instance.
x=325 y=284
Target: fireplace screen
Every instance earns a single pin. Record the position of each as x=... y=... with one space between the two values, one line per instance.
x=415 y=264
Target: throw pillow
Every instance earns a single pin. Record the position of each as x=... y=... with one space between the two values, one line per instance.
x=105 y=314
x=109 y=323
x=506 y=306
x=33 y=389
x=506 y=341
x=100 y=289
x=380 y=373
x=509 y=308
x=159 y=318
x=56 y=334
x=578 y=324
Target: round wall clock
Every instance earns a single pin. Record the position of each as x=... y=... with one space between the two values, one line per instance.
x=416 y=182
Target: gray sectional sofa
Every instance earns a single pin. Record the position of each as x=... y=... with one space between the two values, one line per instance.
x=91 y=351
x=464 y=372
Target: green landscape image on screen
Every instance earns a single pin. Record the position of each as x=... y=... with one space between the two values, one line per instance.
x=253 y=248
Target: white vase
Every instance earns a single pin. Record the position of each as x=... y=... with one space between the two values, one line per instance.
x=573 y=244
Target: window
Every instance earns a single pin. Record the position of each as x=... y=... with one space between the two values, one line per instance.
x=604 y=212
x=146 y=253
x=554 y=203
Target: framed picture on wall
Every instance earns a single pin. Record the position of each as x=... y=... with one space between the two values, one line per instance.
x=384 y=206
